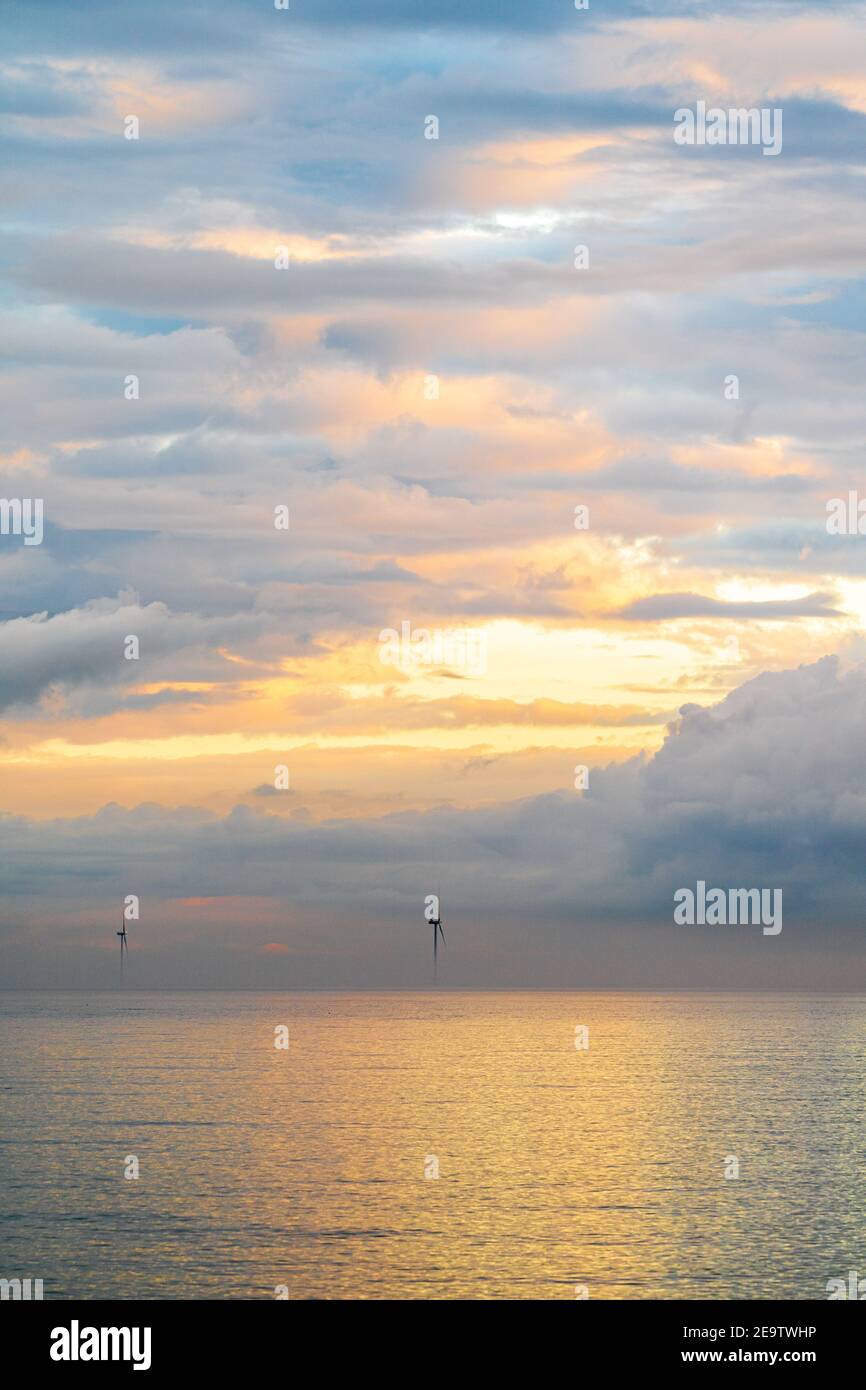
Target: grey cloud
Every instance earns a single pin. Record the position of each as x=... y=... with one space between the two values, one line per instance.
x=202 y=283
x=661 y=475
x=661 y=607
x=35 y=92
x=764 y=789
x=85 y=648
x=231 y=29
x=803 y=545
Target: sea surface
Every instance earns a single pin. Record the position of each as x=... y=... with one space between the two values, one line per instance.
x=311 y=1170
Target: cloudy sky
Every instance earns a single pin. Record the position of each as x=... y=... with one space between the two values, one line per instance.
x=283 y=294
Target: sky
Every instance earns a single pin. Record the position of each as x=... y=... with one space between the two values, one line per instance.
x=434 y=458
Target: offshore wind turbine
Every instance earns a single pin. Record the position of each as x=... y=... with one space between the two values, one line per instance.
x=124 y=944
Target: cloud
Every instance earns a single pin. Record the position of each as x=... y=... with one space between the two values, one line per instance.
x=764 y=789
x=662 y=607
x=202 y=283
x=662 y=475
x=86 y=647
x=464 y=712
x=237 y=27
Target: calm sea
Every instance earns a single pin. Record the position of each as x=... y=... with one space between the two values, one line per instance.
x=314 y=1167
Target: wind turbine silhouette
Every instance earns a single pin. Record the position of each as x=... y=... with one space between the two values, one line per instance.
x=124 y=944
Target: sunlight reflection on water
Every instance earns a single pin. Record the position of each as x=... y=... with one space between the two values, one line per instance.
x=557 y=1167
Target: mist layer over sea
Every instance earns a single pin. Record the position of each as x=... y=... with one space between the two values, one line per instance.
x=313 y=1167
